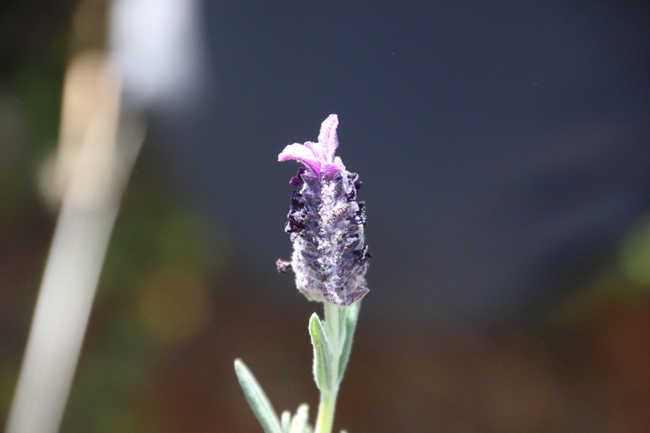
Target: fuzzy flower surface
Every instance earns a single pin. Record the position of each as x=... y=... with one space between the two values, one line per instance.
x=326 y=223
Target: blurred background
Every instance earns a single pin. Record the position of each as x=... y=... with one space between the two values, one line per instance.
x=505 y=153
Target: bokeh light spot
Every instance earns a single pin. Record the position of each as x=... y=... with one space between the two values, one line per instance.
x=635 y=254
x=174 y=304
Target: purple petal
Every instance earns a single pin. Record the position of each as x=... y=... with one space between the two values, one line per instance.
x=327 y=136
x=297 y=180
x=327 y=139
x=298 y=152
x=320 y=156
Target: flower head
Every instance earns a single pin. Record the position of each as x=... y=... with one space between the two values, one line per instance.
x=326 y=222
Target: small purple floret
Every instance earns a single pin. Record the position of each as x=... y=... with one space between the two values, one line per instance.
x=326 y=223
x=297 y=179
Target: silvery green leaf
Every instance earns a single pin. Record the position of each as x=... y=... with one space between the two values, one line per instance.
x=299 y=423
x=351 y=314
x=257 y=399
x=322 y=354
x=285 y=421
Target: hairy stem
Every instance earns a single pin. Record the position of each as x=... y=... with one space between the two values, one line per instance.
x=327 y=405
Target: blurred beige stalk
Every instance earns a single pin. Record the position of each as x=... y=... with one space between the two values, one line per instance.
x=98 y=145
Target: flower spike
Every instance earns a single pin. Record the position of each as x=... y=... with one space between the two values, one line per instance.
x=326 y=223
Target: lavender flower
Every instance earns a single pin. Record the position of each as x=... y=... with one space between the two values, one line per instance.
x=326 y=223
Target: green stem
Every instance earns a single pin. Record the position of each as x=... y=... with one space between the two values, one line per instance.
x=332 y=314
x=327 y=405
x=339 y=323
x=326 y=408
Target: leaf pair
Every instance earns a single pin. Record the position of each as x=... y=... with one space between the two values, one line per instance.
x=332 y=342
x=299 y=423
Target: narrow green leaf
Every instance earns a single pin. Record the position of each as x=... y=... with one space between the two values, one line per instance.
x=299 y=423
x=285 y=421
x=257 y=399
x=351 y=314
x=322 y=354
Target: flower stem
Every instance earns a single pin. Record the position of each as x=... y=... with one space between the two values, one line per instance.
x=327 y=405
x=326 y=408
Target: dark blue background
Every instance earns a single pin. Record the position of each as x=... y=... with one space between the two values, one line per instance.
x=503 y=145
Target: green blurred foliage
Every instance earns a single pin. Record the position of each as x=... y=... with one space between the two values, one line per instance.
x=635 y=254
x=155 y=232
